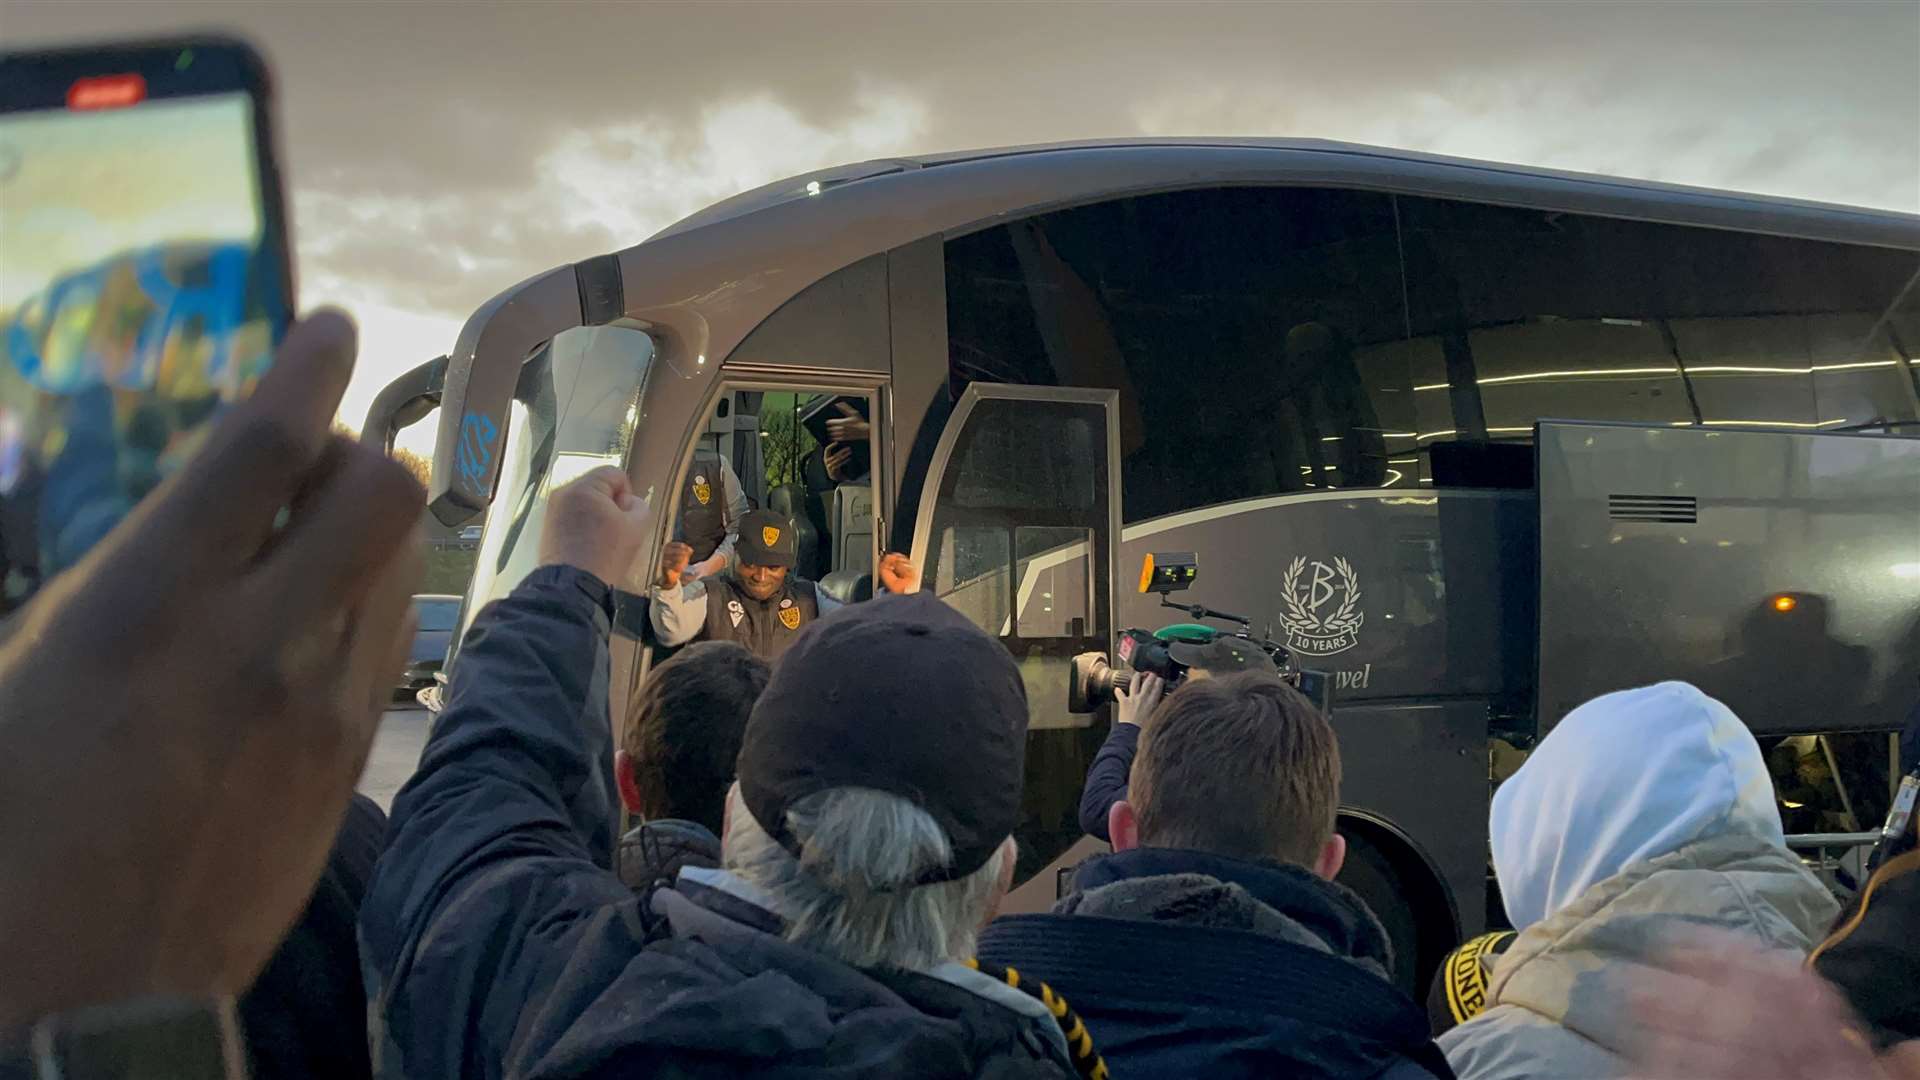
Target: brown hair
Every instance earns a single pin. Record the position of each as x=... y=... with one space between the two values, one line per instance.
x=1240 y=765
x=685 y=729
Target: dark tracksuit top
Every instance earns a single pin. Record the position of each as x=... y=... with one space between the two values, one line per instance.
x=711 y=507
x=717 y=609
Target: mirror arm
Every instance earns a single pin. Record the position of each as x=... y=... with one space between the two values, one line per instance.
x=404 y=401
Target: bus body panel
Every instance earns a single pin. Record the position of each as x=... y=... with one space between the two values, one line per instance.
x=1776 y=570
x=1439 y=582
x=706 y=287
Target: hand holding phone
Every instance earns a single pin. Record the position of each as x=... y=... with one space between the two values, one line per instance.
x=187 y=712
x=144 y=279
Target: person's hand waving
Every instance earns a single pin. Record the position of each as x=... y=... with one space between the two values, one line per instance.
x=186 y=711
x=849 y=426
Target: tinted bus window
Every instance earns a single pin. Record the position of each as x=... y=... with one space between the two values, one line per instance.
x=1268 y=341
x=1252 y=334
x=1564 y=316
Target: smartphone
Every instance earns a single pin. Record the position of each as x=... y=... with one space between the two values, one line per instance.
x=145 y=278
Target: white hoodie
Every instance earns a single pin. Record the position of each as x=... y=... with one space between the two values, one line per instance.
x=1625 y=778
x=1643 y=812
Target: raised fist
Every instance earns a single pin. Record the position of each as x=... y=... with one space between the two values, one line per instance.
x=673 y=563
x=597 y=524
x=898 y=574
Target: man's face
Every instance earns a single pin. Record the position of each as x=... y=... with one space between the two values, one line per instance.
x=761 y=582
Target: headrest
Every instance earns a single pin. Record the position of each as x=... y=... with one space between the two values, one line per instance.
x=847 y=586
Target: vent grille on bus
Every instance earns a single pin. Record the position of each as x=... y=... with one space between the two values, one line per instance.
x=1665 y=509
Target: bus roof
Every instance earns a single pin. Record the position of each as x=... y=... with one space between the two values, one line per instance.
x=1401 y=171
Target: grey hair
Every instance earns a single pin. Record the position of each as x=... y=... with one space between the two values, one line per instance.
x=849 y=894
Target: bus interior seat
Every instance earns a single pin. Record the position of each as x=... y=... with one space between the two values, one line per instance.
x=1472 y=464
x=852 y=524
x=848 y=586
x=790 y=500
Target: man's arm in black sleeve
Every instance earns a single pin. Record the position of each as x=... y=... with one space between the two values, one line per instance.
x=499 y=848
x=1107 y=779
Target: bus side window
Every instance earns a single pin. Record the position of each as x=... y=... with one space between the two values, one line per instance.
x=1252 y=336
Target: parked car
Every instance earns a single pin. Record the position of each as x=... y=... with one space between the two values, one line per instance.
x=439 y=614
x=471 y=534
x=433 y=698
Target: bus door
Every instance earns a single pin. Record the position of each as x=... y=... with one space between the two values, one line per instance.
x=1018 y=529
x=812 y=452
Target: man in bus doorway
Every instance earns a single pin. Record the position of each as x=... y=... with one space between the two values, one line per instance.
x=757 y=601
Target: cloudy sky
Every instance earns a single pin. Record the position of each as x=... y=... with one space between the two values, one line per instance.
x=440 y=152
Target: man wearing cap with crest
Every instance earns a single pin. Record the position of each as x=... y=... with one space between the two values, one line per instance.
x=757 y=601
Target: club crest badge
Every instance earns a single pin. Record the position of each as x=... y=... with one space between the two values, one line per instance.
x=769 y=535
x=789 y=616
x=1321 y=606
x=735 y=612
x=702 y=490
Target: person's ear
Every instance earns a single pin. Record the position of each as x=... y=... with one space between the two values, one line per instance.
x=623 y=779
x=1123 y=826
x=1010 y=850
x=1333 y=855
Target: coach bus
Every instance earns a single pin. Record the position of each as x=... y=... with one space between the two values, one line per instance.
x=1326 y=369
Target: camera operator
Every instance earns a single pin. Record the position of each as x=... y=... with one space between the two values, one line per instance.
x=1133 y=711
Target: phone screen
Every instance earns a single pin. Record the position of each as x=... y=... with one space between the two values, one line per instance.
x=143 y=281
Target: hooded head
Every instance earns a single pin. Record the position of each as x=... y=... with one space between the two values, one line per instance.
x=1626 y=777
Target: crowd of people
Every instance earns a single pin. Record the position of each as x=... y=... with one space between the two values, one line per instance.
x=823 y=837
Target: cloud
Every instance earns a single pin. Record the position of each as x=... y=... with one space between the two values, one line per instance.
x=1577 y=123
x=632 y=180
x=411 y=266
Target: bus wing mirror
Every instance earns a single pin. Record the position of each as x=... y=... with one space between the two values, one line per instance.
x=404 y=402
x=481 y=375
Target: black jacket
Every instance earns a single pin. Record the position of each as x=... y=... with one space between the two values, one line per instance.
x=1190 y=964
x=306 y=1015
x=1107 y=778
x=1873 y=955
x=498 y=942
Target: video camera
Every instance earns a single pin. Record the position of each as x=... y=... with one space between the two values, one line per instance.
x=1172 y=651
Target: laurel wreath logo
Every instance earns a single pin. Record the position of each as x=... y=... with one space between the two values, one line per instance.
x=1302 y=620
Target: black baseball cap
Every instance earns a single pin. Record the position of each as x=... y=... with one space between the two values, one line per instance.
x=899 y=694
x=766 y=539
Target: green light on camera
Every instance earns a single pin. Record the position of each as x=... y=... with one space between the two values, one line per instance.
x=184 y=60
